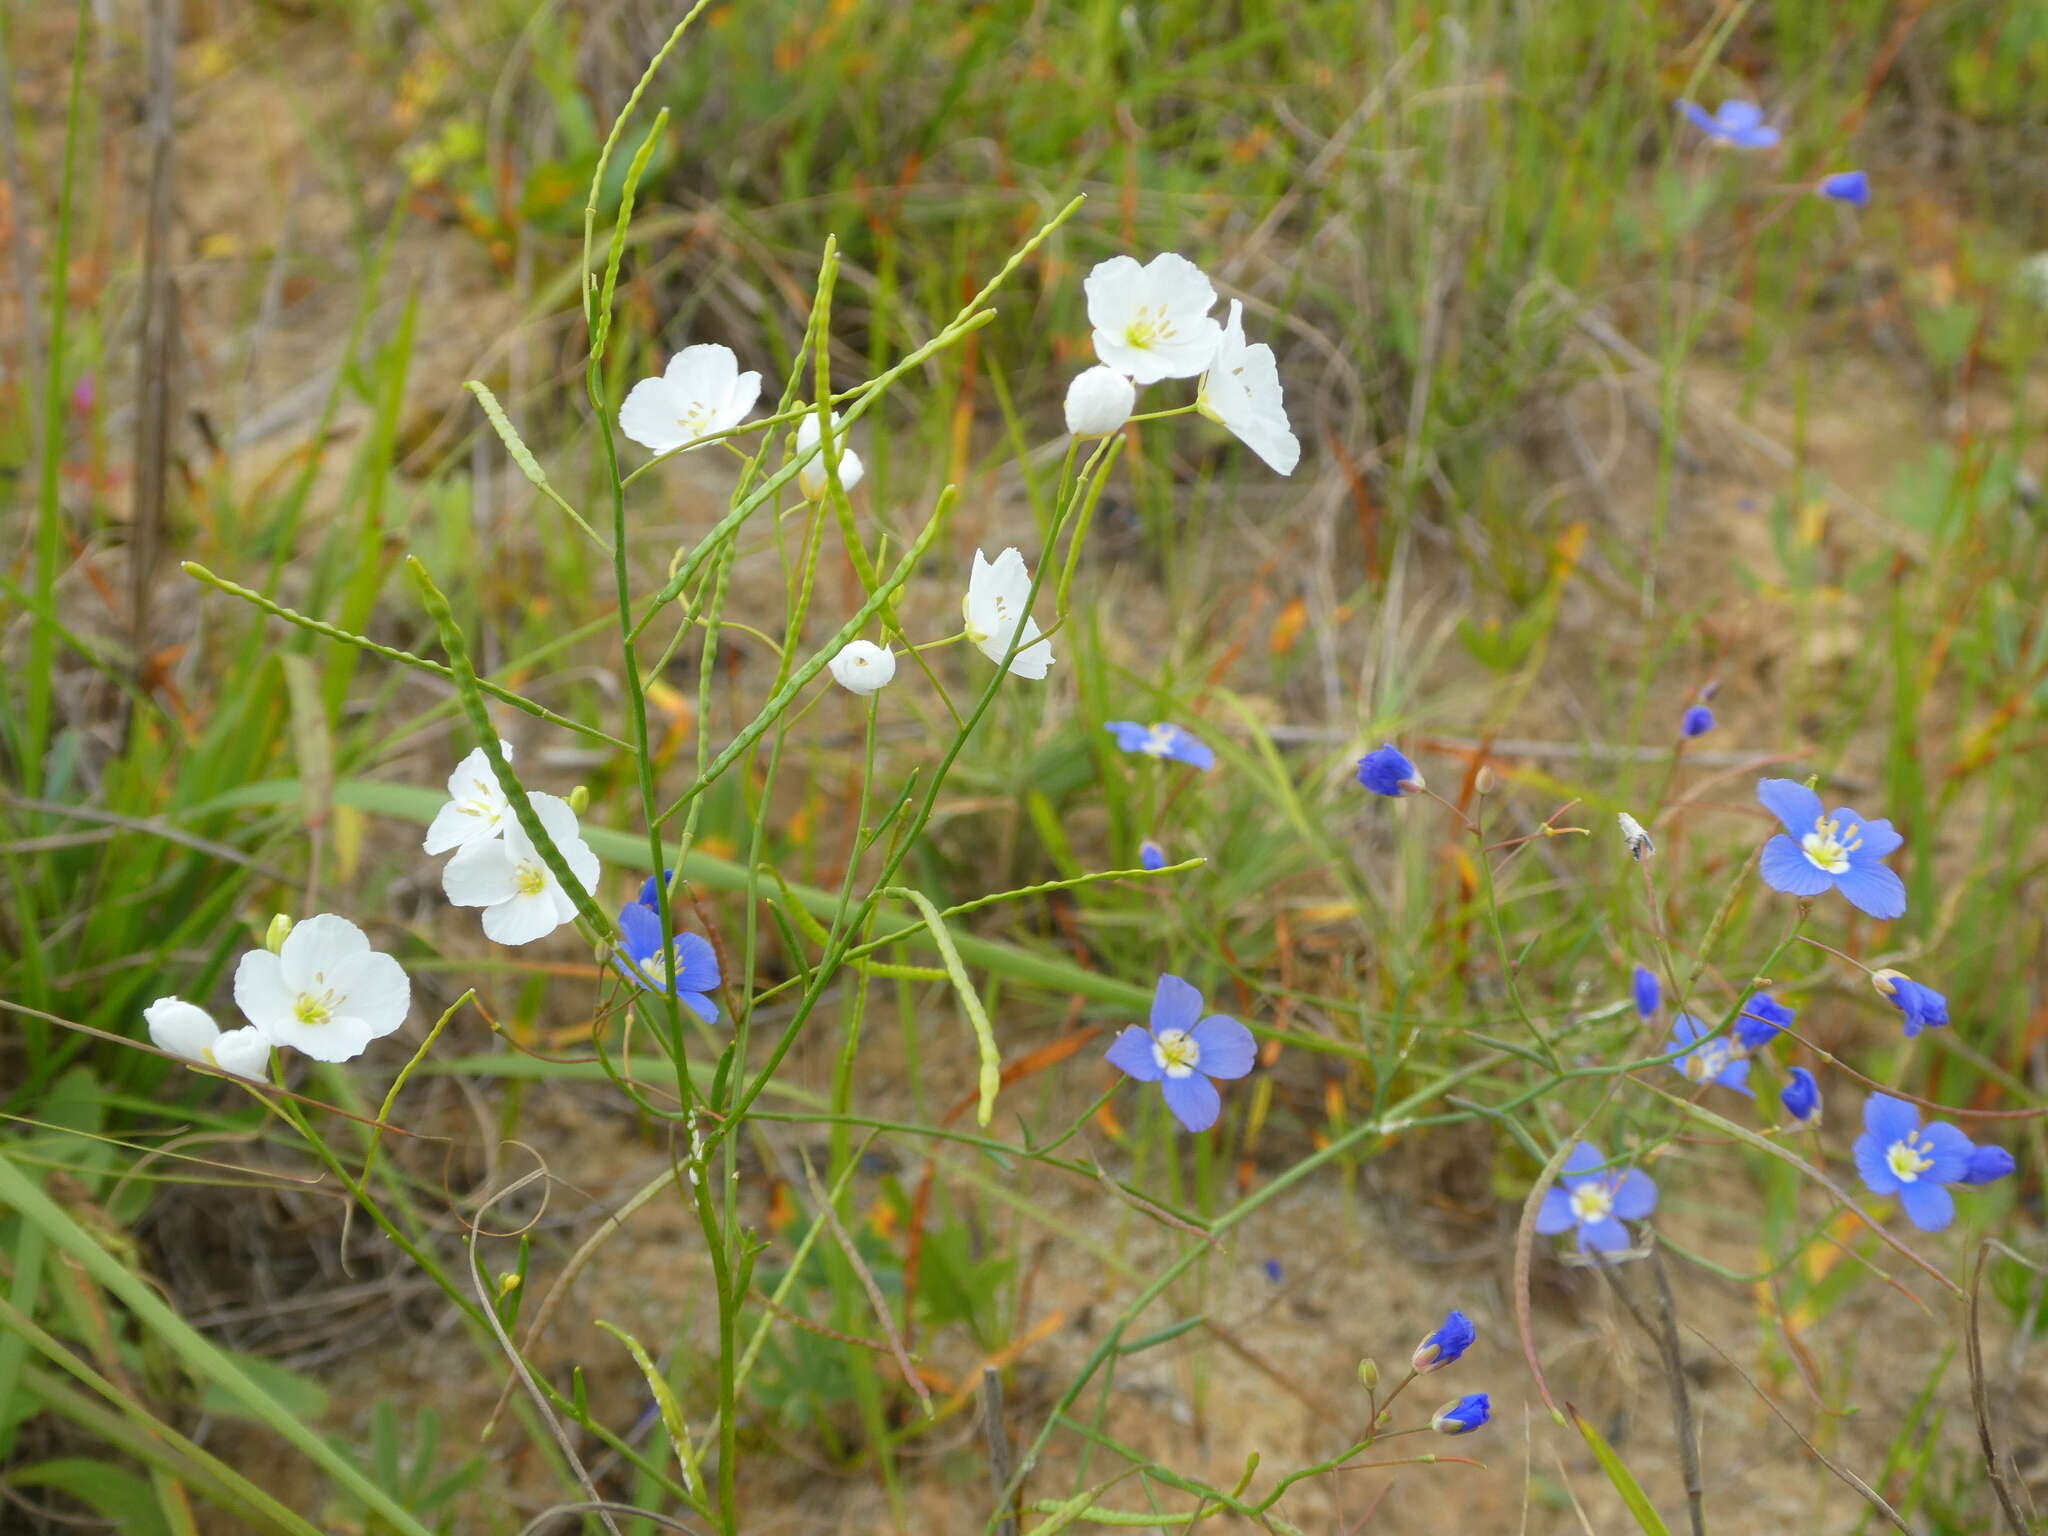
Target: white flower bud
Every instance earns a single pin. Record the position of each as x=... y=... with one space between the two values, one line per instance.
x=1639 y=845
x=1099 y=402
x=863 y=667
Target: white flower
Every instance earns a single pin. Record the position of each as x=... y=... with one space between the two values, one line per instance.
x=1241 y=391
x=863 y=667
x=185 y=1029
x=1152 y=322
x=997 y=602
x=476 y=808
x=521 y=898
x=325 y=991
x=702 y=393
x=811 y=479
x=1099 y=402
x=1639 y=845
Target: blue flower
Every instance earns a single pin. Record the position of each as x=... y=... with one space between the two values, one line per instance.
x=1462 y=1416
x=1387 y=772
x=1738 y=124
x=1720 y=1060
x=1273 y=1270
x=1151 y=855
x=1698 y=721
x=1182 y=1051
x=1162 y=740
x=690 y=968
x=1817 y=851
x=1596 y=1200
x=1923 y=1007
x=1762 y=1020
x=1898 y=1156
x=1988 y=1165
x=1647 y=993
x=1445 y=1345
x=1801 y=1097
x=1851 y=187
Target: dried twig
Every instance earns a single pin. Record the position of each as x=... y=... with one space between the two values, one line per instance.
x=997 y=1436
x=1975 y=1347
x=156 y=343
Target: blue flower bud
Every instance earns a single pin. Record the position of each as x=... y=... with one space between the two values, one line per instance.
x=1647 y=993
x=1851 y=187
x=1801 y=1097
x=1923 y=1007
x=1988 y=1165
x=1151 y=855
x=1763 y=1019
x=1698 y=721
x=1446 y=1345
x=1462 y=1416
x=1387 y=772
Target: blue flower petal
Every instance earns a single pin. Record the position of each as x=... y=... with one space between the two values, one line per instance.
x=1226 y=1046
x=1699 y=116
x=1870 y=1153
x=1871 y=888
x=1129 y=734
x=1580 y=1164
x=1635 y=1196
x=1175 y=1005
x=1194 y=1100
x=1889 y=1119
x=696 y=963
x=1186 y=749
x=1602 y=1236
x=1880 y=838
x=1791 y=802
x=1928 y=1206
x=699 y=1004
x=1555 y=1214
x=1131 y=1054
x=640 y=930
x=1738 y=116
x=1949 y=1150
x=1785 y=867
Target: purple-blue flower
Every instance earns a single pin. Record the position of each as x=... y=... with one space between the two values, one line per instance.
x=1162 y=740
x=1595 y=1199
x=1182 y=1052
x=1387 y=772
x=1820 y=850
x=1444 y=1345
x=1801 y=1097
x=1698 y=721
x=1719 y=1060
x=1851 y=187
x=1762 y=1020
x=1463 y=1416
x=1151 y=855
x=1647 y=993
x=1988 y=1165
x=1922 y=1007
x=690 y=968
x=1738 y=124
x=1898 y=1156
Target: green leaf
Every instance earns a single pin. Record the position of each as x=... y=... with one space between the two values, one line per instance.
x=109 y=1491
x=1625 y=1484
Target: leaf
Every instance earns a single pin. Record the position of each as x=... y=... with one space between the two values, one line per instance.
x=1625 y=1484
x=302 y=1395
x=110 y=1491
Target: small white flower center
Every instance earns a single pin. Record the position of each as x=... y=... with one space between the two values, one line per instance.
x=1592 y=1201
x=1158 y=741
x=696 y=420
x=533 y=878
x=311 y=1008
x=1176 y=1052
x=1908 y=1159
x=1709 y=1061
x=1829 y=844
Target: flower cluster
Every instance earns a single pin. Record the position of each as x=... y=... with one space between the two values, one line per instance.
x=1444 y=1346
x=1153 y=322
x=687 y=966
x=1897 y=1155
x=496 y=865
x=322 y=990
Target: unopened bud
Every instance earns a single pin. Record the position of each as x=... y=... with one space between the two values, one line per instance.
x=579 y=799
x=279 y=930
x=1485 y=781
x=1369 y=1375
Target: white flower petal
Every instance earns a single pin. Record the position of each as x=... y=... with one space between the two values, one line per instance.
x=862 y=667
x=526 y=917
x=340 y=1038
x=559 y=821
x=244 y=1052
x=375 y=989
x=1152 y=322
x=1242 y=391
x=1099 y=402
x=182 y=1028
x=482 y=874
x=260 y=991
x=316 y=947
x=651 y=415
x=813 y=479
x=706 y=371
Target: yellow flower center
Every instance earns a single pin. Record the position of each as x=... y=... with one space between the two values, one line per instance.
x=310 y=1009
x=533 y=879
x=1709 y=1061
x=1829 y=844
x=1158 y=741
x=1909 y=1159
x=1176 y=1052
x=1593 y=1201
x=1149 y=326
